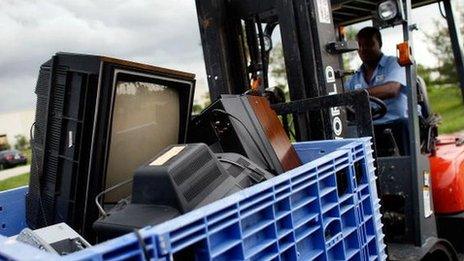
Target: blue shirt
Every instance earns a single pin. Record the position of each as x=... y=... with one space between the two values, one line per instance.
x=388 y=70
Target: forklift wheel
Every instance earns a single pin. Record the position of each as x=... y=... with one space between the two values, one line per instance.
x=441 y=251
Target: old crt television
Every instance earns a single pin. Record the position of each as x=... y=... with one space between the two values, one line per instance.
x=97 y=120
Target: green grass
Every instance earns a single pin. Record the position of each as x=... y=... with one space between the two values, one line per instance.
x=14 y=182
x=447 y=102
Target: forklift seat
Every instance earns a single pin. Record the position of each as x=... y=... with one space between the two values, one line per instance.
x=428 y=122
x=423 y=98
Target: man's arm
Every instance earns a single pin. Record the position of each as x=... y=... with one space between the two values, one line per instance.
x=385 y=91
x=394 y=82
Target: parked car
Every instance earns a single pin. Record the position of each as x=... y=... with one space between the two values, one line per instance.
x=11 y=158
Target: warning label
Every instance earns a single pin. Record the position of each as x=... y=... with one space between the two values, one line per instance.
x=426 y=194
x=427 y=203
x=323 y=10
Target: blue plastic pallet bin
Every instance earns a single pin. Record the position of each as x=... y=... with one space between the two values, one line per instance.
x=327 y=209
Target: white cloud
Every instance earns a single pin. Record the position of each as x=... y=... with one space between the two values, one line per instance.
x=162 y=33
x=13 y=95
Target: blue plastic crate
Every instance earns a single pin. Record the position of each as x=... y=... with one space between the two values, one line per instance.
x=327 y=209
x=12 y=211
x=363 y=191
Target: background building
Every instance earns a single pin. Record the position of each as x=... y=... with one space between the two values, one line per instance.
x=16 y=123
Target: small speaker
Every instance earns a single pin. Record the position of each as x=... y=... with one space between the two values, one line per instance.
x=184 y=177
x=180 y=179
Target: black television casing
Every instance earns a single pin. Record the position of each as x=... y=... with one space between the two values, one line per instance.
x=225 y=134
x=72 y=131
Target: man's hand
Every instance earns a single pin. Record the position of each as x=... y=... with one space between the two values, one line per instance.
x=385 y=91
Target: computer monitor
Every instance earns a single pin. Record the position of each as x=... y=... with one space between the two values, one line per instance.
x=97 y=120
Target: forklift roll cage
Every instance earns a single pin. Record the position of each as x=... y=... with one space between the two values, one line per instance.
x=235 y=37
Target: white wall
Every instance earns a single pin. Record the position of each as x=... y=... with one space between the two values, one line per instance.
x=14 y=123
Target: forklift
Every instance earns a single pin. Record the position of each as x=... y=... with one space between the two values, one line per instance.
x=237 y=41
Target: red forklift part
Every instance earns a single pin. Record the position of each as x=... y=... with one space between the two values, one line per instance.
x=447 y=170
x=404 y=53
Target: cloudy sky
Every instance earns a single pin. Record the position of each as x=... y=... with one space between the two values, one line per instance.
x=162 y=33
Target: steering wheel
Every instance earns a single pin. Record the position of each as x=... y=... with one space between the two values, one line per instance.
x=378 y=108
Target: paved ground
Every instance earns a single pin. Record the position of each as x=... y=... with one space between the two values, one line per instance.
x=8 y=173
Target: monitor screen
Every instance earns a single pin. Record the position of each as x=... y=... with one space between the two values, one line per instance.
x=145 y=119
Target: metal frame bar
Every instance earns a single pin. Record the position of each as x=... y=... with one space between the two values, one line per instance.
x=358 y=99
x=293 y=64
x=356 y=8
x=314 y=33
x=413 y=125
x=424 y=227
x=456 y=43
x=341 y=5
x=225 y=66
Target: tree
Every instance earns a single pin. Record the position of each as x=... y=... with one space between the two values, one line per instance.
x=5 y=146
x=440 y=47
x=21 y=142
x=204 y=102
x=425 y=73
x=277 y=69
x=350 y=35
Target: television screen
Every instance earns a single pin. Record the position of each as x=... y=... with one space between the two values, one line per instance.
x=145 y=120
x=98 y=119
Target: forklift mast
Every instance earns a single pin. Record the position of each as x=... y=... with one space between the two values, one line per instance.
x=237 y=38
x=235 y=51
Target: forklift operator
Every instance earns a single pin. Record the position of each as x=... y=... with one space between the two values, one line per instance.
x=383 y=78
x=381 y=75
